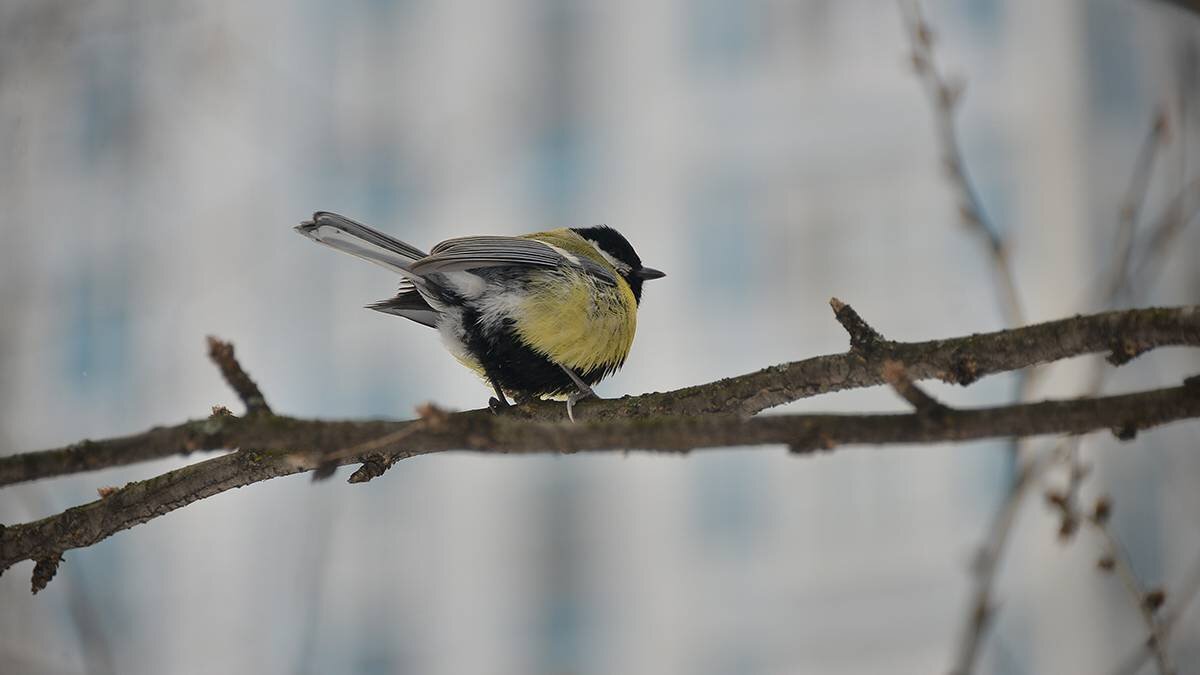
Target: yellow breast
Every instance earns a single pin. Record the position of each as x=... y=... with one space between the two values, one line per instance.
x=578 y=321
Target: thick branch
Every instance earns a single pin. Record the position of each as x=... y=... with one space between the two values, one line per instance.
x=285 y=446
x=962 y=360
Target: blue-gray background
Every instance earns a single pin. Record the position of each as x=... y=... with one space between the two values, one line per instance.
x=766 y=154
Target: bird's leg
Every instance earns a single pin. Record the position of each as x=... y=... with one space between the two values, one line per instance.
x=582 y=391
x=498 y=402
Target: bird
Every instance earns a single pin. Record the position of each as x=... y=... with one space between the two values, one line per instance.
x=543 y=314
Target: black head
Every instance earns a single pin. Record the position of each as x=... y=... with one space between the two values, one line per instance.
x=617 y=250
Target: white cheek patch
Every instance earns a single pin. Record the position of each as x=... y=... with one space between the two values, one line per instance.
x=622 y=268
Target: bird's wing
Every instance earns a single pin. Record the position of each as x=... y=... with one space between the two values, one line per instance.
x=468 y=253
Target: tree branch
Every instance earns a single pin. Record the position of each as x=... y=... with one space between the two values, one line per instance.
x=284 y=446
x=705 y=416
x=960 y=360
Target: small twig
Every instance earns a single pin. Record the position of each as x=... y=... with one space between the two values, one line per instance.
x=1178 y=604
x=1077 y=471
x=944 y=98
x=1115 y=559
x=430 y=417
x=1146 y=602
x=896 y=376
x=221 y=353
x=985 y=566
x=863 y=338
x=1131 y=208
x=1182 y=600
x=1176 y=218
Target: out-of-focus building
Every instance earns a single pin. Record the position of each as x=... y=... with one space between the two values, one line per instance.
x=767 y=155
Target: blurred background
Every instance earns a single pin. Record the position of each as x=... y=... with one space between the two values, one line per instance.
x=767 y=154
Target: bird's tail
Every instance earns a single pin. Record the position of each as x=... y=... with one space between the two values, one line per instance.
x=361 y=241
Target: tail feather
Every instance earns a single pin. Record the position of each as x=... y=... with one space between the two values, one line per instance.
x=409 y=304
x=361 y=241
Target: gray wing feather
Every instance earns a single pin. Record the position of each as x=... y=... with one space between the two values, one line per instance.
x=599 y=271
x=468 y=253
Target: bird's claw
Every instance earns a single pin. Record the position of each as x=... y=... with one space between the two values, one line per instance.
x=498 y=402
x=574 y=398
x=582 y=391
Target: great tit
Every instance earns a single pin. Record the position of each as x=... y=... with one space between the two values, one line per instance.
x=543 y=314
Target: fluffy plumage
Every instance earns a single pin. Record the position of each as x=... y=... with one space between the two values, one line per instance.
x=529 y=314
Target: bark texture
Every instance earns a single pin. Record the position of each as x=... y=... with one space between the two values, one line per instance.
x=717 y=414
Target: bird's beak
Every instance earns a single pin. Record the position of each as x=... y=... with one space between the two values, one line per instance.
x=648 y=273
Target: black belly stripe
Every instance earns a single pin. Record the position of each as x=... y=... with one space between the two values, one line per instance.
x=515 y=366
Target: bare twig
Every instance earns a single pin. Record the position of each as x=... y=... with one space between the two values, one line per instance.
x=945 y=97
x=375 y=462
x=1146 y=602
x=1077 y=471
x=1182 y=599
x=896 y=376
x=1131 y=209
x=863 y=338
x=1176 y=218
x=1177 y=605
x=287 y=446
x=1115 y=559
x=960 y=360
x=986 y=564
x=221 y=353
